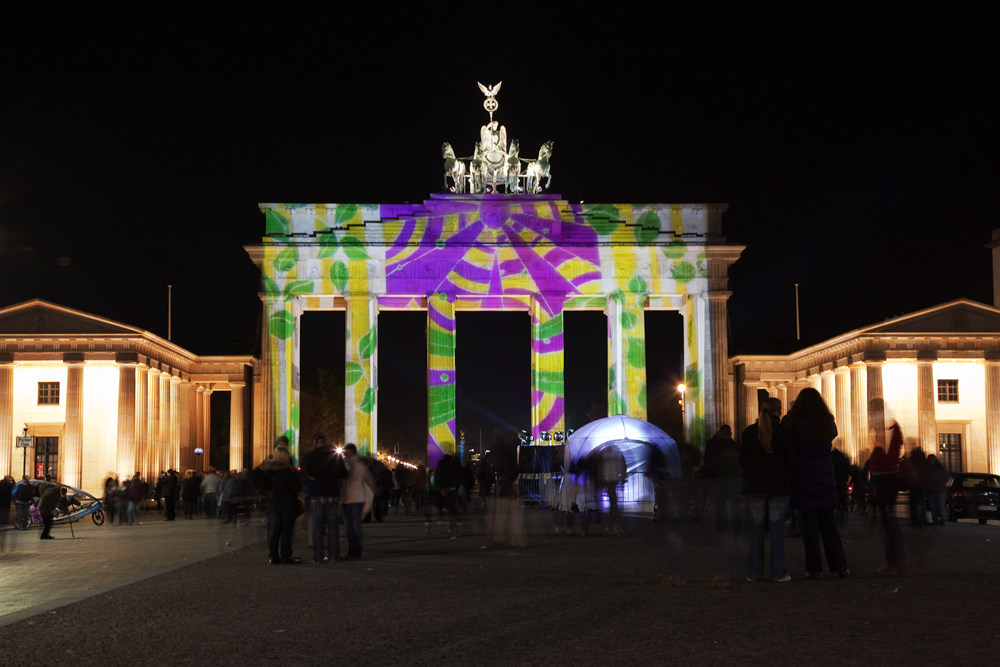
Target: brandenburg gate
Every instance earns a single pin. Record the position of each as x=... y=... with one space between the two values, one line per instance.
x=477 y=248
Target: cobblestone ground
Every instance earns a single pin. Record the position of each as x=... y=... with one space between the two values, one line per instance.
x=432 y=600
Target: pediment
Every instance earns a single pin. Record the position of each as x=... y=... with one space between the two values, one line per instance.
x=39 y=318
x=955 y=317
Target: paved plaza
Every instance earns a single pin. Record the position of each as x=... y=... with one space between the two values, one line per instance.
x=133 y=595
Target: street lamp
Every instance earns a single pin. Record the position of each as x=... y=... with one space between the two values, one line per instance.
x=681 y=388
x=198 y=451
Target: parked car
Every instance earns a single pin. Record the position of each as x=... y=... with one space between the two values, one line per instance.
x=973 y=495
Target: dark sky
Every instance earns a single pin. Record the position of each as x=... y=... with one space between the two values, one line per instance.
x=854 y=148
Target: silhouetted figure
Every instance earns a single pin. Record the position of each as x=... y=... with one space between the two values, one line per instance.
x=767 y=458
x=722 y=467
x=814 y=483
x=884 y=468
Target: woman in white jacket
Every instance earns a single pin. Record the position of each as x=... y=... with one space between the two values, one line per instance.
x=352 y=500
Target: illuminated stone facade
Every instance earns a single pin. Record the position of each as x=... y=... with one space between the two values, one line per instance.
x=534 y=253
x=936 y=371
x=108 y=398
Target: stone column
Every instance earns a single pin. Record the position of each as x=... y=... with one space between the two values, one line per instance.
x=752 y=407
x=441 y=340
x=772 y=391
x=166 y=421
x=71 y=457
x=548 y=407
x=627 y=356
x=361 y=372
x=236 y=425
x=206 y=423
x=876 y=404
x=926 y=403
x=859 y=412
x=815 y=382
x=199 y=424
x=993 y=412
x=706 y=394
x=141 y=420
x=174 y=454
x=283 y=325
x=718 y=336
x=126 y=421
x=153 y=427
x=6 y=418
x=782 y=391
x=828 y=390
x=843 y=414
x=267 y=399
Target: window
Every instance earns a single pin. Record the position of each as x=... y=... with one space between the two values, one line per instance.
x=47 y=456
x=947 y=391
x=950 y=451
x=48 y=393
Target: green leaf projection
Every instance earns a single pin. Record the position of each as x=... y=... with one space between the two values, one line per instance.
x=339 y=275
x=352 y=373
x=281 y=325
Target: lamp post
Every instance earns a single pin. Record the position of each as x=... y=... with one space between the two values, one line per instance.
x=681 y=388
x=198 y=451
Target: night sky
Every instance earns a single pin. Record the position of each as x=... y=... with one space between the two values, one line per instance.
x=854 y=149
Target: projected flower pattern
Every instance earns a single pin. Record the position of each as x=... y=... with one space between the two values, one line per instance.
x=541 y=256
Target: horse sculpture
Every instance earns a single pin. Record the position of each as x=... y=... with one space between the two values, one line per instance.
x=539 y=169
x=454 y=168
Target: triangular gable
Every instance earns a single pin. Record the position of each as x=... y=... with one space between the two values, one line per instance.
x=39 y=318
x=962 y=316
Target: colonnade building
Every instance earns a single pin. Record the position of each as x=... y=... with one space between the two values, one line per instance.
x=99 y=397
x=935 y=371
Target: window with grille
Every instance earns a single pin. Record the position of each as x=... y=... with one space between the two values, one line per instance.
x=950 y=451
x=48 y=393
x=947 y=391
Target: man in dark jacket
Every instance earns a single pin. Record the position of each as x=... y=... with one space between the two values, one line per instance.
x=170 y=491
x=6 y=489
x=46 y=506
x=324 y=467
x=722 y=465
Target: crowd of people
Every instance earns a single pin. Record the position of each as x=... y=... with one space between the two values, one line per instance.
x=785 y=470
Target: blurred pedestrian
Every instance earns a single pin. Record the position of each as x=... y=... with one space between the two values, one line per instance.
x=508 y=524
x=814 y=483
x=722 y=467
x=937 y=487
x=613 y=474
x=110 y=499
x=210 y=493
x=884 y=466
x=767 y=458
x=353 y=499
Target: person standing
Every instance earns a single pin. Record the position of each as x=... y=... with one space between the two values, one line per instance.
x=937 y=487
x=284 y=509
x=325 y=468
x=24 y=495
x=189 y=494
x=767 y=459
x=722 y=464
x=814 y=482
x=210 y=493
x=6 y=491
x=170 y=491
x=353 y=496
